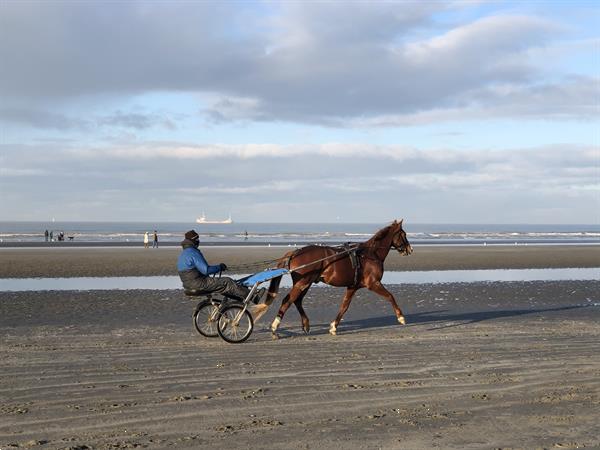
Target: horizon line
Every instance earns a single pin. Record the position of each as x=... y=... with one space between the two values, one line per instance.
x=297 y=222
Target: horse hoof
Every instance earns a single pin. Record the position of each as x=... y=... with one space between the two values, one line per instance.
x=401 y=320
x=306 y=329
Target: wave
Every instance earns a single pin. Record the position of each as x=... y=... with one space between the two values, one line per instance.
x=304 y=233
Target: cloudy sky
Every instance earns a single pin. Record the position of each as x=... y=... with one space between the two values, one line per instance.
x=465 y=112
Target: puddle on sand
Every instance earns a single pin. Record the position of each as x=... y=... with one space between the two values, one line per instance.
x=424 y=277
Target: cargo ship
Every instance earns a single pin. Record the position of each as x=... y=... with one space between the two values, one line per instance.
x=203 y=220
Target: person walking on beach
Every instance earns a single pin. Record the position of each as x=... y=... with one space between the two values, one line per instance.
x=46 y=235
x=146 y=239
x=155 y=240
x=194 y=272
x=51 y=235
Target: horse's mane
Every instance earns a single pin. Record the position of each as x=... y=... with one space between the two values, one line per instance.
x=379 y=235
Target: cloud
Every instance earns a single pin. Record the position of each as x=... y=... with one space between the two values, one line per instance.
x=70 y=49
x=304 y=25
x=10 y=172
x=49 y=120
x=573 y=98
x=100 y=101
x=391 y=80
x=41 y=119
x=317 y=180
x=135 y=121
x=257 y=167
x=332 y=63
x=262 y=188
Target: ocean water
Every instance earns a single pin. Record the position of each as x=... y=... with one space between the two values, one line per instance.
x=302 y=233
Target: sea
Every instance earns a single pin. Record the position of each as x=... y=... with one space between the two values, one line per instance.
x=171 y=233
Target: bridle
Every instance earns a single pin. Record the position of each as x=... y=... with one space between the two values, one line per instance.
x=400 y=243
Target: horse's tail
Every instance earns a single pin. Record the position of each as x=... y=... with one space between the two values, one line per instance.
x=260 y=310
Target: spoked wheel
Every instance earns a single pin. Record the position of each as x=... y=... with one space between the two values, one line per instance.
x=206 y=317
x=235 y=324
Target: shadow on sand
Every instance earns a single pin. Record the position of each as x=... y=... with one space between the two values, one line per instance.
x=443 y=318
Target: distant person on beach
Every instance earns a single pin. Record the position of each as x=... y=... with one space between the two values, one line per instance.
x=155 y=240
x=51 y=235
x=146 y=239
x=46 y=235
x=194 y=271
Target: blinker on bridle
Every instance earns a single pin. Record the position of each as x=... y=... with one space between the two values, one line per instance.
x=402 y=247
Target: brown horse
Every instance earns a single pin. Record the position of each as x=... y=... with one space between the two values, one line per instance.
x=336 y=267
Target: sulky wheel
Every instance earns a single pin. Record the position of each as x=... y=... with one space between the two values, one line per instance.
x=206 y=317
x=235 y=324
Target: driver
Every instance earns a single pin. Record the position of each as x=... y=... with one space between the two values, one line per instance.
x=194 y=271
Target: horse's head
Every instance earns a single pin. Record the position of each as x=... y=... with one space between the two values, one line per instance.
x=399 y=239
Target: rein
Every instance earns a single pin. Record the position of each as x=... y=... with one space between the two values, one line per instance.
x=256 y=264
x=269 y=262
x=344 y=250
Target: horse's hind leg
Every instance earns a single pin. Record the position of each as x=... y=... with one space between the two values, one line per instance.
x=378 y=288
x=343 y=308
x=260 y=310
x=273 y=290
x=298 y=290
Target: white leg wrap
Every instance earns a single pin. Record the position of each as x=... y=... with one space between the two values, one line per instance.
x=401 y=320
x=275 y=324
x=332 y=328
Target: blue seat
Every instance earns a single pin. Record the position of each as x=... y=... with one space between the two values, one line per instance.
x=261 y=277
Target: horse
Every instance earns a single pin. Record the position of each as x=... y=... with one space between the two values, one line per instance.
x=337 y=266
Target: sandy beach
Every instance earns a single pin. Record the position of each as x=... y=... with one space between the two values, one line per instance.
x=104 y=262
x=479 y=365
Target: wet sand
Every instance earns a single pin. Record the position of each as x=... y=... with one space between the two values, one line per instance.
x=87 y=262
x=479 y=365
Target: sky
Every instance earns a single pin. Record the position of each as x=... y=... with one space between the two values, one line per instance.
x=431 y=111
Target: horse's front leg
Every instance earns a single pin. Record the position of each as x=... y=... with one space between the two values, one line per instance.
x=378 y=288
x=297 y=291
x=343 y=308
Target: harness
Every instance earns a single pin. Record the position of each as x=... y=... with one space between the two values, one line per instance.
x=348 y=248
x=352 y=251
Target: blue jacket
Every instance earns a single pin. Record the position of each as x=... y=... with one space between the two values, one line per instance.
x=192 y=258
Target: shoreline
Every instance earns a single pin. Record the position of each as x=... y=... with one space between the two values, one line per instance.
x=259 y=244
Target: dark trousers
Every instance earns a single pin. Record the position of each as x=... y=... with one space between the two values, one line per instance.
x=193 y=280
